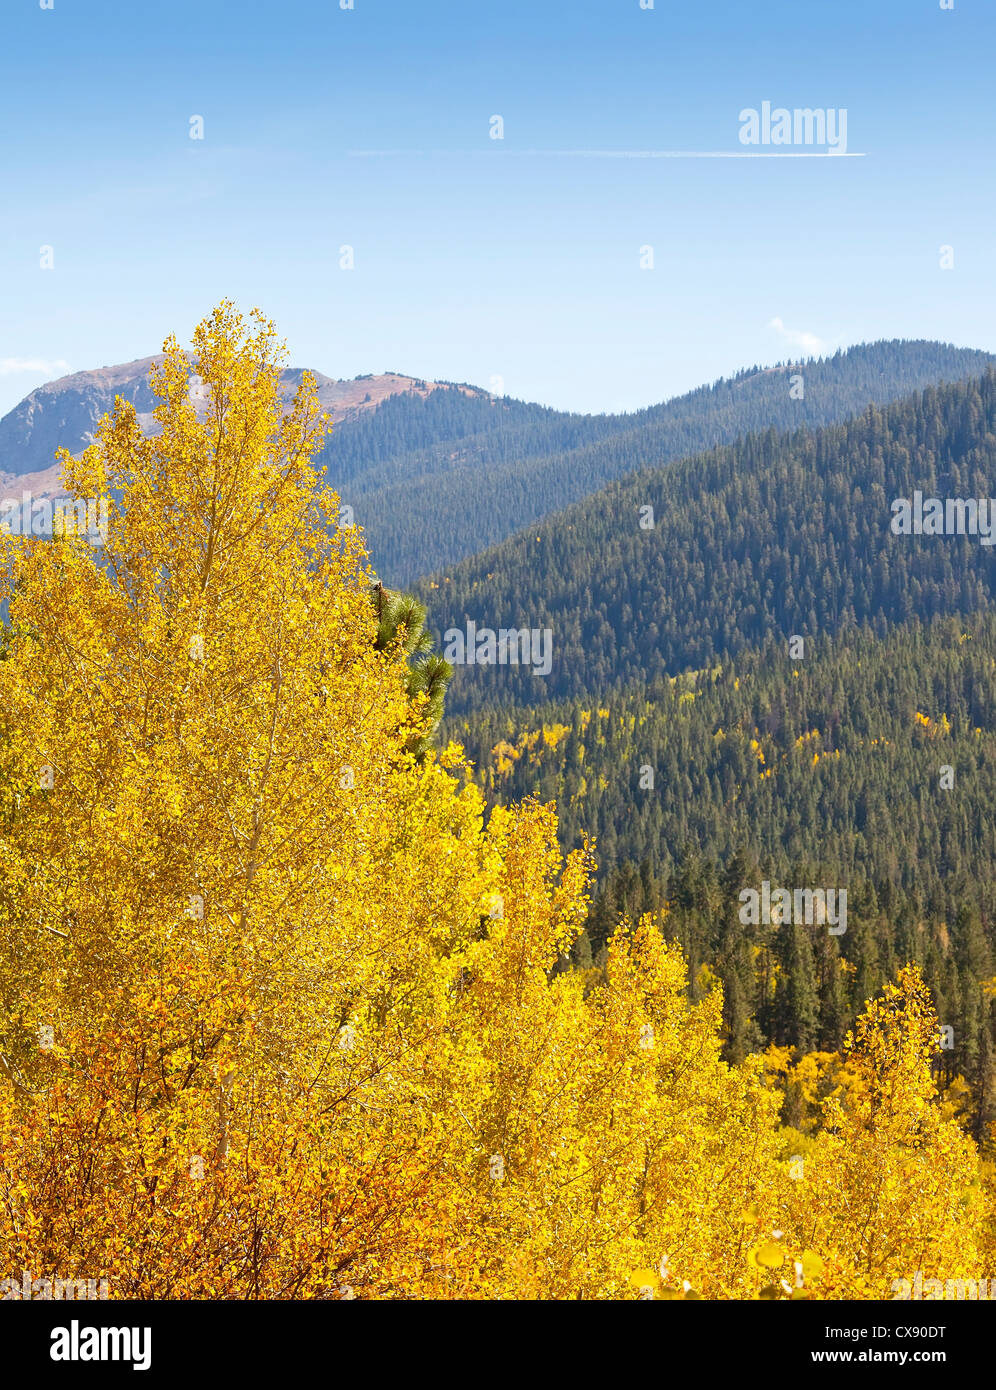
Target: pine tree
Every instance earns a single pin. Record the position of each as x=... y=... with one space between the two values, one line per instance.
x=401 y=622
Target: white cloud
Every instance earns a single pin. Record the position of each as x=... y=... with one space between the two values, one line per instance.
x=38 y=366
x=799 y=338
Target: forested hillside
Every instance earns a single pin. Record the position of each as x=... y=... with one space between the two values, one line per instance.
x=778 y=534
x=437 y=478
x=823 y=770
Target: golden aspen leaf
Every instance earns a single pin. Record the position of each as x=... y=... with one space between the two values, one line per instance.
x=812 y=1264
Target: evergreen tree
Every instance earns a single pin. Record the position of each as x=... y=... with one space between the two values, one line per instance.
x=401 y=619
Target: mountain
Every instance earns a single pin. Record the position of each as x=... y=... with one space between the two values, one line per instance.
x=64 y=414
x=779 y=534
x=437 y=471
x=748 y=679
x=428 y=506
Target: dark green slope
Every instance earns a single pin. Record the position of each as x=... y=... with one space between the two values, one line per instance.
x=821 y=772
x=435 y=480
x=833 y=758
x=778 y=534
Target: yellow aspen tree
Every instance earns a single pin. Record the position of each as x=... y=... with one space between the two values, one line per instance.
x=891 y=1187
x=227 y=891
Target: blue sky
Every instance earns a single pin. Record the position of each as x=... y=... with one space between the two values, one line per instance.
x=475 y=258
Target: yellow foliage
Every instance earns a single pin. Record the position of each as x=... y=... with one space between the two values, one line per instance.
x=555 y=734
x=891 y=1185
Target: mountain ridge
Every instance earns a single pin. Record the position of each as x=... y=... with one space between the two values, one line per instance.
x=64 y=413
x=427 y=509
x=437 y=471
x=780 y=532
